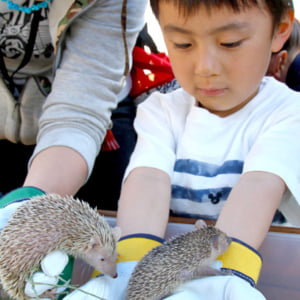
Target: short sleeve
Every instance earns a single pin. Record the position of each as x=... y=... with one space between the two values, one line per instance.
x=277 y=150
x=156 y=145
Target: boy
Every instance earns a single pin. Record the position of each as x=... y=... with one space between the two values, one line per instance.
x=223 y=147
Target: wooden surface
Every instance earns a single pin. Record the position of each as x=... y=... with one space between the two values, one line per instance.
x=284 y=229
x=280 y=274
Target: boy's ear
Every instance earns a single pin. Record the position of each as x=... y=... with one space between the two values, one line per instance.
x=283 y=31
x=277 y=63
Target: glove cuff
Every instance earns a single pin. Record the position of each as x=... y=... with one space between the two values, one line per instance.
x=134 y=247
x=20 y=194
x=242 y=260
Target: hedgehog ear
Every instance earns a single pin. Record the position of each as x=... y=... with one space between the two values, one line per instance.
x=117 y=232
x=93 y=244
x=200 y=224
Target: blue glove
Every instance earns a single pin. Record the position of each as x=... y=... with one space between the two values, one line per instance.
x=63 y=265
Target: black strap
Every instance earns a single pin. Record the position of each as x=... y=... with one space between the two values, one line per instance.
x=28 y=53
x=5 y=75
x=145 y=39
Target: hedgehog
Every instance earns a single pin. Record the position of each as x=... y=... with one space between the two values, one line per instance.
x=49 y=223
x=184 y=257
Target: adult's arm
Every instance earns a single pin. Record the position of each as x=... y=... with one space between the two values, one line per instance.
x=77 y=112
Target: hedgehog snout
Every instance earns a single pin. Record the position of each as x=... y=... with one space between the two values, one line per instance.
x=108 y=266
x=111 y=273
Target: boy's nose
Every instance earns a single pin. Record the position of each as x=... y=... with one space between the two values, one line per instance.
x=206 y=64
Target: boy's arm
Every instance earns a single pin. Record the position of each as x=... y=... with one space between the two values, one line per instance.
x=246 y=216
x=144 y=202
x=250 y=207
x=143 y=213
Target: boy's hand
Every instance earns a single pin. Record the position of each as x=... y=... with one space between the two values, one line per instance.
x=131 y=249
x=243 y=262
x=239 y=259
x=63 y=265
x=228 y=287
x=105 y=287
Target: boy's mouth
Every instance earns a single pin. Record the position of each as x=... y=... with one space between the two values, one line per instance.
x=212 y=92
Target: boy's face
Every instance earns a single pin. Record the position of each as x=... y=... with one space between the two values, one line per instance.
x=219 y=57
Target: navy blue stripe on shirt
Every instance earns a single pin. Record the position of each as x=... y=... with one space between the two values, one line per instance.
x=199 y=168
x=196 y=215
x=214 y=195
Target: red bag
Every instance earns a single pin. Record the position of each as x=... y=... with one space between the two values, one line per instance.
x=149 y=70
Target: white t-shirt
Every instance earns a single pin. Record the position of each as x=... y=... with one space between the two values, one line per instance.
x=205 y=154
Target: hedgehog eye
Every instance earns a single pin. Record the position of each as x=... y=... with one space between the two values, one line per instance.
x=102 y=259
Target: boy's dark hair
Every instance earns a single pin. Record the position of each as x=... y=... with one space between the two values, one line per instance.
x=277 y=8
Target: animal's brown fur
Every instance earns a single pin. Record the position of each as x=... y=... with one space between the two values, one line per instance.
x=182 y=258
x=44 y=224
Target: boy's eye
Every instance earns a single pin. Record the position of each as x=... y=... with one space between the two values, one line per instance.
x=231 y=45
x=182 y=46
